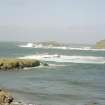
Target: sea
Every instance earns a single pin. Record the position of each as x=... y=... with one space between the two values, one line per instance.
x=75 y=75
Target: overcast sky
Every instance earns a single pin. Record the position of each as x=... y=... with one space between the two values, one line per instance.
x=76 y=21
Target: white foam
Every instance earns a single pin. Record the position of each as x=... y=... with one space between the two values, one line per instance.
x=66 y=58
x=31 y=45
x=27 y=45
x=86 y=48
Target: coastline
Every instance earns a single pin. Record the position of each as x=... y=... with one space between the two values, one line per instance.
x=20 y=100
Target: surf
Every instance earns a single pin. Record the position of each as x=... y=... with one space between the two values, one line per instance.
x=66 y=58
x=41 y=46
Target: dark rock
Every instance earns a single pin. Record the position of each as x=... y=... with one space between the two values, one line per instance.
x=44 y=64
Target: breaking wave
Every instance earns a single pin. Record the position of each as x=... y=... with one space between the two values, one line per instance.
x=86 y=48
x=66 y=58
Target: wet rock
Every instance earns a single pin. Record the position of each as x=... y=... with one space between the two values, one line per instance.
x=5 y=98
x=44 y=64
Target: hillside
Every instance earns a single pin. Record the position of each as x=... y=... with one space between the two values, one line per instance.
x=100 y=44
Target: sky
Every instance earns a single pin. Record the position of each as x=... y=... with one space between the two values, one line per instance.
x=71 y=21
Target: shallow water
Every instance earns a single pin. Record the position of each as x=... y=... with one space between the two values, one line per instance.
x=62 y=83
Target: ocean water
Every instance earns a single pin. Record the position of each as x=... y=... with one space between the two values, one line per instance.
x=73 y=77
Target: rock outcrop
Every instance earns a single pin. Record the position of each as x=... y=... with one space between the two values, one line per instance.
x=12 y=64
x=5 y=98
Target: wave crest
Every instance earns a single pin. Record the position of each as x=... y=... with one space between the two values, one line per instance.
x=85 y=48
x=67 y=58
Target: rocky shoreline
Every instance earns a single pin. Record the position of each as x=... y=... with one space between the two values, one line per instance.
x=7 y=99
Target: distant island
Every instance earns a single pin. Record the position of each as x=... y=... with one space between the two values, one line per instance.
x=100 y=44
